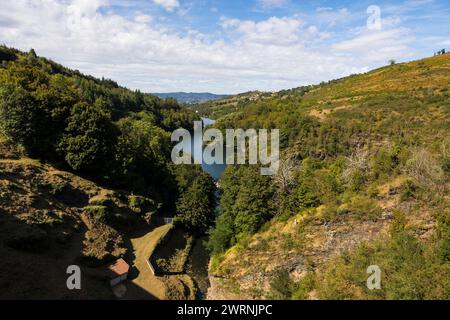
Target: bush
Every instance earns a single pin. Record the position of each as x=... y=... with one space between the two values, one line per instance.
x=443 y=236
x=305 y=198
x=408 y=190
x=364 y=208
x=446 y=165
x=423 y=167
x=356 y=169
x=386 y=161
x=329 y=213
x=410 y=269
x=99 y=213
x=139 y=204
x=282 y=287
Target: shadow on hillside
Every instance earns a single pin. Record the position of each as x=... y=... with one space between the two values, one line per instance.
x=34 y=265
x=138 y=233
x=134 y=292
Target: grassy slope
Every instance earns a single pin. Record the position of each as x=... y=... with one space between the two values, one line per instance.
x=47 y=224
x=409 y=100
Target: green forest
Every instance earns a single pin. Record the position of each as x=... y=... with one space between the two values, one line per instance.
x=97 y=129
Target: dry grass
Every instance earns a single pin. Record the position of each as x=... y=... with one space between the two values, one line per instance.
x=143 y=247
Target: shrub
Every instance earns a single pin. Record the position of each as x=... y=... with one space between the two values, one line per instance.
x=446 y=165
x=423 y=167
x=139 y=204
x=305 y=198
x=408 y=190
x=443 y=236
x=386 y=161
x=282 y=287
x=304 y=287
x=364 y=208
x=355 y=173
x=329 y=213
x=44 y=217
x=410 y=269
x=99 y=213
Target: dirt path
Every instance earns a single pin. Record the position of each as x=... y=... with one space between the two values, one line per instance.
x=146 y=285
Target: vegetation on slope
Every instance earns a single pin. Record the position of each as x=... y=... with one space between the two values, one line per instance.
x=355 y=152
x=94 y=131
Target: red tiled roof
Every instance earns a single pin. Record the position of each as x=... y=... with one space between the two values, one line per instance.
x=118 y=268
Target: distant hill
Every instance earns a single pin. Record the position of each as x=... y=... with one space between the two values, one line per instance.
x=218 y=108
x=191 y=97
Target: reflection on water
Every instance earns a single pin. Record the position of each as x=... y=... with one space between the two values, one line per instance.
x=215 y=170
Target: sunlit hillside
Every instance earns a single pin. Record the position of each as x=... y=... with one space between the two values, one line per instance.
x=364 y=181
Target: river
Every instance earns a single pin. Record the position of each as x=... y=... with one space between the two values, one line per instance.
x=215 y=170
x=197 y=266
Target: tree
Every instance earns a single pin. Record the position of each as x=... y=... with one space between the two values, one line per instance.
x=7 y=54
x=141 y=158
x=89 y=138
x=32 y=54
x=246 y=203
x=196 y=203
x=195 y=207
x=21 y=119
x=305 y=198
x=221 y=237
x=35 y=107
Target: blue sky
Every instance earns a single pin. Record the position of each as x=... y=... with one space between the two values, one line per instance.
x=225 y=46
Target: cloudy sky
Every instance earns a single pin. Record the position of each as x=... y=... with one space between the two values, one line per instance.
x=225 y=46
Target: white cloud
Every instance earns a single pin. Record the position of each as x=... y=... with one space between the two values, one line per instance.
x=444 y=43
x=169 y=5
x=277 y=53
x=267 y=4
x=378 y=46
x=271 y=31
x=332 y=17
x=143 y=18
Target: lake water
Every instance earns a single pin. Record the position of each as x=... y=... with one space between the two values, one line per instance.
x=215 y=170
